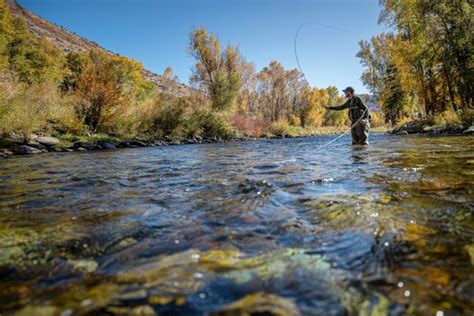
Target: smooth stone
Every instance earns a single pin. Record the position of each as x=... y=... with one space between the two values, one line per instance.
x=85 y=145
x=27 y=150
x=402 y=133
x=143 y=310
x=138 y=143
x=108 y=145
x=84 y=265
x=132 y=144
x=470 y=130
x=37 y=145
x=6 y=152
x=47 y=140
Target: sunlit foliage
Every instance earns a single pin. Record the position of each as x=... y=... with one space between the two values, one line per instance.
x=425 y=64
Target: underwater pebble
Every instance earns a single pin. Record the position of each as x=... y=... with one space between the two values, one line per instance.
x=86 y=302
x=84 y=265
x=198 y=275
x=67 y=312
x=202 y=295
x=439 y=313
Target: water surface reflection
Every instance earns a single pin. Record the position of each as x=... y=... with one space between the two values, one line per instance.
x=266 y=226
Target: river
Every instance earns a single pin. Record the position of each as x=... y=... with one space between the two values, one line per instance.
x=267 y=226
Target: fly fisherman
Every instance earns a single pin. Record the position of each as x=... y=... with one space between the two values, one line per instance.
x=359 y=115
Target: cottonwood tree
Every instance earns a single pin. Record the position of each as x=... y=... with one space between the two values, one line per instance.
x=427 y=58
x=216 y=70
x=281 y=93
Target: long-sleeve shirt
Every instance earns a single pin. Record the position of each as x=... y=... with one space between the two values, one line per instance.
x=356 y=103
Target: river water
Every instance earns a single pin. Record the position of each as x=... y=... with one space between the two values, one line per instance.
x=268 y=226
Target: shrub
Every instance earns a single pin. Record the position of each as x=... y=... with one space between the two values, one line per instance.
x=99 y=92
x=250 y=125
x=447 y=118
x=169 y=117
x=28 y=110
x=281 y=128
x=211 y=124
x=64 y=117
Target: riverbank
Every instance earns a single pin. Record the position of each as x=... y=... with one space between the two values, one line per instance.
x=427 y=127
x=77 y=143
x=16 y=146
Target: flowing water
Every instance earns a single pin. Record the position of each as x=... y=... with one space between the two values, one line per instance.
x=258 y=227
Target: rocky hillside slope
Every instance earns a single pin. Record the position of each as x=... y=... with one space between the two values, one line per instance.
x=70 y=41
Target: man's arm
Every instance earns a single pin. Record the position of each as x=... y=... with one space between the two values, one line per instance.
x=340 y=107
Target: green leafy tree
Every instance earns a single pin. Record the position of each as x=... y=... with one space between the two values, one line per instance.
x=427 y=57
x=216 y=70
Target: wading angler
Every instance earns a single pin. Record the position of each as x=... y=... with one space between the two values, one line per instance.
x=359 y=115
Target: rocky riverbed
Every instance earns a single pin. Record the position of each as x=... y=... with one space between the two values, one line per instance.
x=261 y=227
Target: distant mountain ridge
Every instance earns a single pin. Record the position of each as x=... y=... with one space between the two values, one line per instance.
x=70 y=41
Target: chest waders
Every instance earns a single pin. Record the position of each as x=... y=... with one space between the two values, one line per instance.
x=360 y=122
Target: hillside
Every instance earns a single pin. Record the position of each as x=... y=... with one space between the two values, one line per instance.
x=70 y=41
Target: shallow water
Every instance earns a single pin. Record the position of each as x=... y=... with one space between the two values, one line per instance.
x=248 y=227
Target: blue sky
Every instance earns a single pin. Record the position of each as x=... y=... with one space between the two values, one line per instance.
x=156 y=32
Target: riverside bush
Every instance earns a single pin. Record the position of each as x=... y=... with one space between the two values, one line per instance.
x=250 y=125
x=447 y=118
x=281 y=128
x=28 y=110
x=211 y=124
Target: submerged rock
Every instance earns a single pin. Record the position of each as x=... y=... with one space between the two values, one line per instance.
x=262 y=304
x=84 y=265
x=27 y=150
x=47 y=141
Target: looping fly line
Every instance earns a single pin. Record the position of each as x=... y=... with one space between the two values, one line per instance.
x=307 y=82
